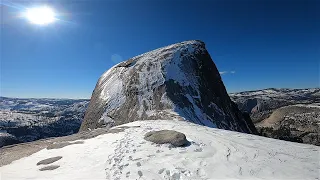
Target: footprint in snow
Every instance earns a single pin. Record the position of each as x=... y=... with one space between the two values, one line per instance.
x=127 y=174
x=116 y=159
x=187 y=173
x=203 y=163
x=137 y=159
x=140 y=173
x=161 y=170
x=184 y=171
x=201 y=172
x=138 y=164
x=175 y=176
x=168 y=154
x=182 y=152
x=123 y=166
x=151 y=155
x=168 y=172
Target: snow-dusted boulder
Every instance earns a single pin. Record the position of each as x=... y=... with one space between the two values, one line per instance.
x=176 y=81
x=172 y=137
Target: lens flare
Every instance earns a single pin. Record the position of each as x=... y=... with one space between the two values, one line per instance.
x=40 y=15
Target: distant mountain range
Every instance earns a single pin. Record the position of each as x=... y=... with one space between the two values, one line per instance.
x=272 y=98
x=288 y=114
x=29 y=119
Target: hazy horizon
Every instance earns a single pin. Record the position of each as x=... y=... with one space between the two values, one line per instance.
x=88 y=98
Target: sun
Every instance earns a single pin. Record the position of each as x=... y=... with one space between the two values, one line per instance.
x=40 y=15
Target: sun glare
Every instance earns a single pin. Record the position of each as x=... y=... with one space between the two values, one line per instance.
x=40 y=15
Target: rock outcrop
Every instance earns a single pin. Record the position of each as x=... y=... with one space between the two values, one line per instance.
x=179 y=81
x=287 y=114
x=297 y=123
x=261 y=103
x=172 y=137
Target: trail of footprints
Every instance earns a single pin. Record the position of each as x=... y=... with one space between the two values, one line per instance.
x=125 y=150
x=118 y=165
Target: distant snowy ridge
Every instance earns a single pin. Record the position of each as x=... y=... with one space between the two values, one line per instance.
x=176 y=81
x=268 y=99
x=279 y=93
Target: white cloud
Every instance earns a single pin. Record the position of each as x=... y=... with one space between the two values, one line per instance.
x=227 y=72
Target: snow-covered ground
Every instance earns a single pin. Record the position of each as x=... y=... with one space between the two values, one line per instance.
x=212 y=154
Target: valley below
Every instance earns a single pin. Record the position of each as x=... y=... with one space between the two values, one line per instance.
x=25 y=120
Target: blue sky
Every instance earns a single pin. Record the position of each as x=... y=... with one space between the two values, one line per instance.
x=267 y=43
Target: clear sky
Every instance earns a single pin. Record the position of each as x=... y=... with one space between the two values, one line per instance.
x=255 y=43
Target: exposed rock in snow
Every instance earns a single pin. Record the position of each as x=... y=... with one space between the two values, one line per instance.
x=49 y=160
x=172 y=137
x=49 y=168
x=176 y=81
x=212 y=154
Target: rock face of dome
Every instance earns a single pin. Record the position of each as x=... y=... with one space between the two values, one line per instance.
x=179 y=81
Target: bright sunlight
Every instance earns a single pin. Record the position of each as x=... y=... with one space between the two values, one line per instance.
x=40 y=15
